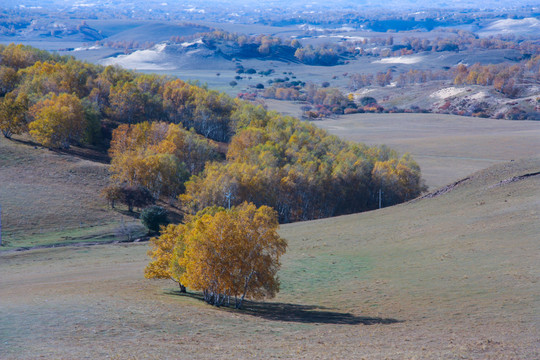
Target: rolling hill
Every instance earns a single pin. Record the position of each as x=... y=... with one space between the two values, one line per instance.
x=451 y=275
x=50 y=197
x=447 y=147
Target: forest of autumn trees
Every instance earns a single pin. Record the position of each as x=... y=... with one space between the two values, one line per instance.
x=301 y=171
x=205 y=152
x=164 y=136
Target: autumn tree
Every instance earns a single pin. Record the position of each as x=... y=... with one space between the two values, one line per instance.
x=158 y=156
x=398 y=179
x=162 y=252
x=20 y=56
x=225 y=254
x=112 y=193
x=12 y=114
x=129 y=195
x=136 y=196
x=206 y=111
x=126 y=103
x=168 y=248
x=59 y=121
x=8 y=79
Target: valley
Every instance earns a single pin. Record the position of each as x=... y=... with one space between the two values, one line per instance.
x=307 y=109
x=454 y=275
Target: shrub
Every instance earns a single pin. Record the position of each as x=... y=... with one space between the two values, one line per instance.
x=132 y=196
x=368 y=100
x=153 y=217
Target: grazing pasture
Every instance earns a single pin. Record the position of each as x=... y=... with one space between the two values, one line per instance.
x=453 y=275
x=50 y=197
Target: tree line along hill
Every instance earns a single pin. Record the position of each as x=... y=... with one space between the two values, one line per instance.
x=193 y=146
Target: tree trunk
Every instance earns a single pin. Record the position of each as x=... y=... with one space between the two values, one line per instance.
x=246 y=287
x=7 y=134
x=182 y=288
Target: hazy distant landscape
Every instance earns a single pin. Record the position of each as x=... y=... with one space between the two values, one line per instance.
x=419 y=49
x=365 y=174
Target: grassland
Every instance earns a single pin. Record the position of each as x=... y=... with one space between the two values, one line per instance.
x=49 y=197
x=447 y=147
x=452 y=276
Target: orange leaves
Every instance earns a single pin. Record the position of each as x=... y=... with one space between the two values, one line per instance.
x=158 y=156
x=59 y=121
x=227 y=253
x=223 y=253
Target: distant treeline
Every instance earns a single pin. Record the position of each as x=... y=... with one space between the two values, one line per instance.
x=300 y=170
x=271 y=47
x=329 y=54
x=506 y=78
x=457 y=40
x=323 y=101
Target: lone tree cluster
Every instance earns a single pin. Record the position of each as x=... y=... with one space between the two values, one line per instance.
x=226 y=254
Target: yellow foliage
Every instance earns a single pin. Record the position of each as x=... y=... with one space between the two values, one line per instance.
x=162 y=253
x=59 y=121
x=12 y=110
x=157 y=156
x=224 y=253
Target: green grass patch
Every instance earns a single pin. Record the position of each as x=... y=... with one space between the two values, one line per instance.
x=318 y=273
x=94 y=234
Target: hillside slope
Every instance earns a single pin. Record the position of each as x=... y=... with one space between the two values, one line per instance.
x=452 y=275
x=447 y=147
x=53 y=197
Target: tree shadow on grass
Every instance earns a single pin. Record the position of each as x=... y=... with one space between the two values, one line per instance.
x=133 y=214
x=88 y=152
x=307 y=314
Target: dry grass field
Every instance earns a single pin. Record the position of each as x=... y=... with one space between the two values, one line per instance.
x=453 y=276
x=447 y=147
x=49 y=197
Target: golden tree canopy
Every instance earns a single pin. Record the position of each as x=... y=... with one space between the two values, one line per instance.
x=59 y=121
x=223 y=253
